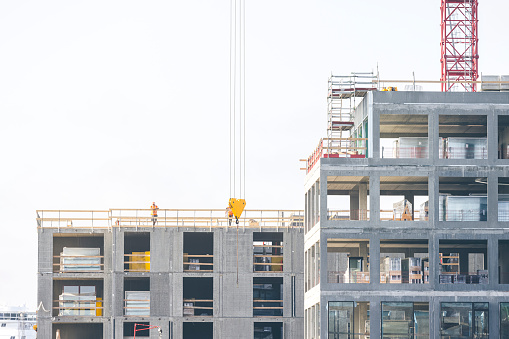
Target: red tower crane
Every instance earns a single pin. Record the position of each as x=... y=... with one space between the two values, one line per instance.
x=460 y=56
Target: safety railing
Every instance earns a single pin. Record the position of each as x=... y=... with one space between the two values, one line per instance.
x=73 y=219
x=199 y=218
x=198 y=307
x=268 y=262
x=464 y=153
x=198 y=262
x=418 y=152
x=503 y=215
x=347 y=277
x=78 y=264
x=358 y=214
x=479 y=277
x=267 y=308
x=79 y=307
x=393 y=215
x=337 y=148
x=463 y=215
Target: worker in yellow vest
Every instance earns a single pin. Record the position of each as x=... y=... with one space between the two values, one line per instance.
x=154 y=209
x=229 y=214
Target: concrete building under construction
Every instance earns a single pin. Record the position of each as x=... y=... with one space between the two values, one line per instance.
x=185 y=274
x=407 y=215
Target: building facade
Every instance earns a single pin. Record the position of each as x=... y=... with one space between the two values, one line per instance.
x=186 y=274
x=407 y=231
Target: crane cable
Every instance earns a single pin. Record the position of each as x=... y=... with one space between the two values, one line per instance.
x=237 y=107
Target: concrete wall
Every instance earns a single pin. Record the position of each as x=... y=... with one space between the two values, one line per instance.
x=233 y=302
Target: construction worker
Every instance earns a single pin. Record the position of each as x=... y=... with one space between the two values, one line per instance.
x=229 y=214
x=154 y=209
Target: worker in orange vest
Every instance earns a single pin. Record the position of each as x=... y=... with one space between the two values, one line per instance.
x=229 y=214
x=154 y=209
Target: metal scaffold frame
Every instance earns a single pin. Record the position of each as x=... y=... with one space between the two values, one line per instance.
x=459 y=52
x=341 y=102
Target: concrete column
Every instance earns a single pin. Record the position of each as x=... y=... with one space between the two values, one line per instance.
x=492 y=199
x=374 y=259
x=108 y=250
x=118 y=250
x=117 y=296
x=493 y=261
x=373 y=128
x=434 y=317
x=354 y=204
x=159 y=295
x=374 y=199
x=45 y=251
x=363 y=252
x=363 y=201
x=433 y=193
x=433 y=245
x=494 y=319
x=375 y=320
x=323 y=197
x=433 y=136
x=160 y=253
x=492 y=137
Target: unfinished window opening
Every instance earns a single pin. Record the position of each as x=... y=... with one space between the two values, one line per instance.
x=503 y=136
x=347 y=198
x=198 y=251
x=463 y=199
x=270 y=330
x=81 y=253
x=404 y=136
x=404 y=261
x=136 y=251
x=463 y=261
x=267 y=297
x=312 y=206
x=348 y=319
x=77 y=330
x=503 y=199
x=78 y=297
x=137 y=296
x=405 y=320
x=198 y=297
x=463 y=137
x=312 y=266
x=202 y=330
x=464 y=320
x=404 y=198
x=503 y=262
x=348 y=261
x=268 y=251
x=141 y=331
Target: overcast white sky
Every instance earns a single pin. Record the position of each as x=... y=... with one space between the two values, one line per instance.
x=120 y=103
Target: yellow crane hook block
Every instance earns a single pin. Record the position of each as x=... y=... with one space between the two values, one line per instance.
x=237 y=206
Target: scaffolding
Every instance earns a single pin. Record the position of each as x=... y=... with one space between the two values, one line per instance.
x=341 y=102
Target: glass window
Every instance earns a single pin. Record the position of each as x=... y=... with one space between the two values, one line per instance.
x=504 y=320
x=464 y=320
x=397 y=320
x=348 y=320
x=340 y=320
